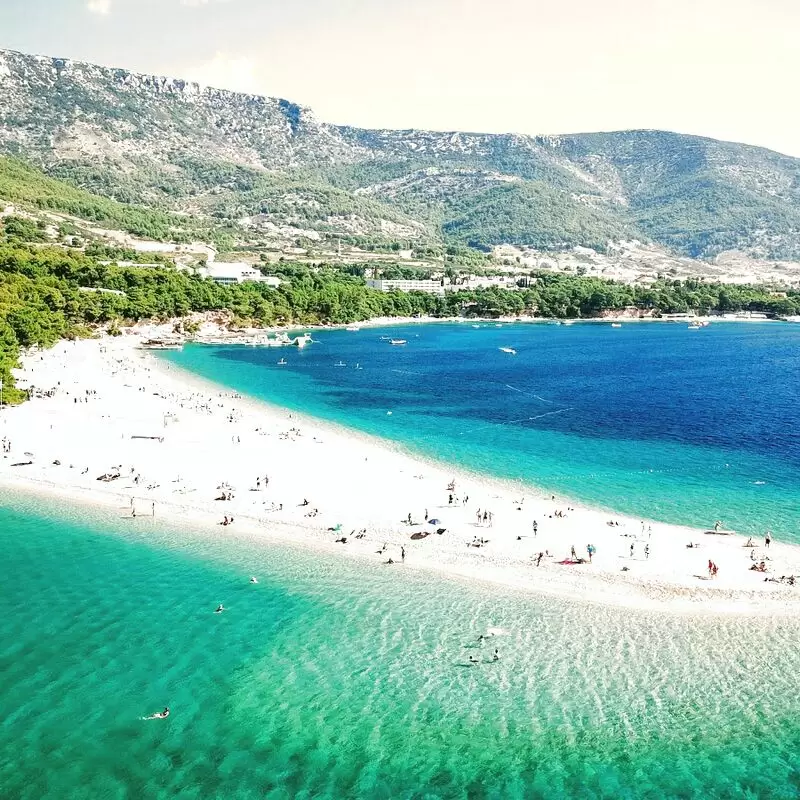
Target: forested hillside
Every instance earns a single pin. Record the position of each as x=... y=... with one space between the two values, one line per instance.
x=179 y=147
x=23 y=185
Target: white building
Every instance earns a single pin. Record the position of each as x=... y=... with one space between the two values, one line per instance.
x=404 y=285
x=238 y=272
x=485 y=282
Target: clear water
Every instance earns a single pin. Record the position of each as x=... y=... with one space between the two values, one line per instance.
x=335 y=680
x=653 y=420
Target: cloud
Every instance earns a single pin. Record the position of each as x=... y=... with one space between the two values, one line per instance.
x=99 y=6
x=226 y=72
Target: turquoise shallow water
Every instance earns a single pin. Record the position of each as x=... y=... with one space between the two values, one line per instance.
x=331 y=679
x=653 y=420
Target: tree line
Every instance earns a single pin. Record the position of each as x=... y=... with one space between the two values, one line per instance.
x=50 y=293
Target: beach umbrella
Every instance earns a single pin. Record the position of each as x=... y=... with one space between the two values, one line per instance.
x=434 y=522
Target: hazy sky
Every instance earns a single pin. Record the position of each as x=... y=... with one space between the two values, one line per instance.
x=722 y=68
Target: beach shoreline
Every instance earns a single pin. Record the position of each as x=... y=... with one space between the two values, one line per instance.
x=117 y=406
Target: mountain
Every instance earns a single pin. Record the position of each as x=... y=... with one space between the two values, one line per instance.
x=271 y=166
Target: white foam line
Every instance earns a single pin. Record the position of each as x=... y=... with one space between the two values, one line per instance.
x=528 y=394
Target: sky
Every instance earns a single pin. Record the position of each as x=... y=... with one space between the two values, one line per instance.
x=720 y=68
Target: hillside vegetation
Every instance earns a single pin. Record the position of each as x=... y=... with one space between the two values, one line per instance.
x=26 y=186
x=224 y=156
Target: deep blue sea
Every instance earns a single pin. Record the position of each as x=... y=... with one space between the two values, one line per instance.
x=650 y=419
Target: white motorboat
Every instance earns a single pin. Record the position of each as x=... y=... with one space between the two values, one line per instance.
x=510 y=350
x=398 y=341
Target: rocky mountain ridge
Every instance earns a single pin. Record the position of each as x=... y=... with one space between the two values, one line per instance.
x=177 y=145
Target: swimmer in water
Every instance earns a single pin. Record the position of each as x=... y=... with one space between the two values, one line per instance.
x=220 y=608
x=254 y=579
x=159 y=714
x=473 y=660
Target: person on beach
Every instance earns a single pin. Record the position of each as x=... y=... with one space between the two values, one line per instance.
x=767 y=539
x=647 y=551
x=535 y=527
x=631 y=549
x=573 y=555
x=539 y=558
x=402 y=554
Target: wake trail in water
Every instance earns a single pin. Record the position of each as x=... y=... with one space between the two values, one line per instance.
x=551 y=413
x=528 y=394
x=526 y=419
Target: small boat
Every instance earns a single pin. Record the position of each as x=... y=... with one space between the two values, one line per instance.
x=476 y=326
x=697 y=324
x=340 y=364
x=161 y=344
x=616 y=324
x=352 y=328
x=398 y=341
x=283 y=362
x=358 y=366
x=509 y=350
